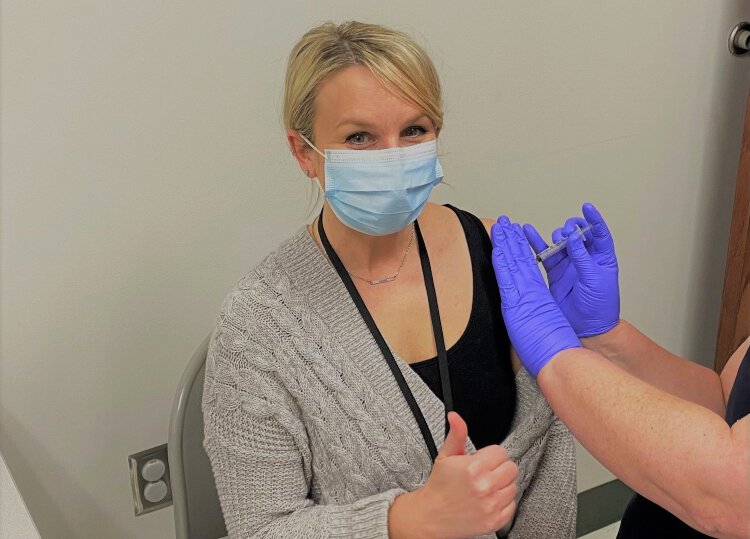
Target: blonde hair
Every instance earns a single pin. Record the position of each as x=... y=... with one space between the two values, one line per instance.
x=394 y=58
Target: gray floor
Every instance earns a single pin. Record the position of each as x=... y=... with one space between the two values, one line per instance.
x=608 y=532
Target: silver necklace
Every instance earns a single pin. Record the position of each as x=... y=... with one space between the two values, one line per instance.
x=392 y=277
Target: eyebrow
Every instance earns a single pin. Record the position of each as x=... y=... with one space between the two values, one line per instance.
x=366 y=125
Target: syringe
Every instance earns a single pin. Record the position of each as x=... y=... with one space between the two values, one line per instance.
x=560 y=245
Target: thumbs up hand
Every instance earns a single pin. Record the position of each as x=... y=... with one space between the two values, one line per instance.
x=468 y=495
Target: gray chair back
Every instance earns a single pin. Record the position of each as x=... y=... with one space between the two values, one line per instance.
x=197 y=513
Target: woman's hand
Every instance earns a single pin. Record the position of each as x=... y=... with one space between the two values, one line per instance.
x=536 y=326
x=583 y=277
x=465 y=495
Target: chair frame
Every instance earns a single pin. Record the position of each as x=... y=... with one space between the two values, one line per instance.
x=175 y=446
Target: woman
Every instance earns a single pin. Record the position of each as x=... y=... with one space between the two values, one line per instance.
x=334 y=362
x=675 y=431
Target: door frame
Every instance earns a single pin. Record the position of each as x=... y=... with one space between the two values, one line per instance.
x=734 y=317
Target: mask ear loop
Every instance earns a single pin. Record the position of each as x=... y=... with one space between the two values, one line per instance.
x=312 y=145
x=316 y=179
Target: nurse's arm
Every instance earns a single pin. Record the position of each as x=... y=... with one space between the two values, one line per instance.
x=643 y=358
x=677 y=453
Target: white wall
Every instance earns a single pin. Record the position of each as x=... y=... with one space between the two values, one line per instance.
x=144 y=170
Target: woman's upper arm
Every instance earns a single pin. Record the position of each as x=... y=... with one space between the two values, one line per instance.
x=249 y=435
x=548 y=505
x=544 y=451
x=256 y=478
x=488 y=225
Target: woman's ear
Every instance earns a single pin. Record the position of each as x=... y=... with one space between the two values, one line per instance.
x=301 y=152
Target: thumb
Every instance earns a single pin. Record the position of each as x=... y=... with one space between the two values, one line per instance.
x=578 y=254
x=602 y=237
x=455 y=442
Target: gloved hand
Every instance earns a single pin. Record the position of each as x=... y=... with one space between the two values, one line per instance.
x=583 y=277
x=536 y=326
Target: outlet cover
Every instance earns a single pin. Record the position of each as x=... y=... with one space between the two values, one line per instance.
x=138 y=483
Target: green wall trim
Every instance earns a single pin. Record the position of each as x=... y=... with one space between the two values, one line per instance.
x=601 y=506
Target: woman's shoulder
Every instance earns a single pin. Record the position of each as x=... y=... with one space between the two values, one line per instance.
x=487 y=222
x=446 y=221
x=448 y=215
x=263 y=289
x=253 y=320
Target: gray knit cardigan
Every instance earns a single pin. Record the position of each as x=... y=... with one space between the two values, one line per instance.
x=308 y=433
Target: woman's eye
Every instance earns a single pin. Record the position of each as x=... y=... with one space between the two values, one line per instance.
x=414 y=131
x=358 y=139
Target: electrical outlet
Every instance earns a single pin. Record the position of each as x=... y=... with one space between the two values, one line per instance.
x=149 y=479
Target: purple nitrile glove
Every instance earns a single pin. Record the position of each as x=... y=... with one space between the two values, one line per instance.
x=536 y=326
x=583 y=277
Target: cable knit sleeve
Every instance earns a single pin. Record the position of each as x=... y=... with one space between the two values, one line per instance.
x=263 y=492
x=544 y=450
x=548 y=507
x=259 y=452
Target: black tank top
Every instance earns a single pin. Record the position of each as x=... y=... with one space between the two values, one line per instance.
x=482 y=379
x=643 y=519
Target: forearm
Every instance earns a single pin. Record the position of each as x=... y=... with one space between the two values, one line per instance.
x=366 y=518
x=263 y=488
x=276 y=505
x=676 y=453
x=634 y=352
x=405 y=519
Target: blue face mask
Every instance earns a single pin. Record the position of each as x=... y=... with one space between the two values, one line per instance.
x=379 y=192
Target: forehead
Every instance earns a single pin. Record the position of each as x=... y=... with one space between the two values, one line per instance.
x=354 y=93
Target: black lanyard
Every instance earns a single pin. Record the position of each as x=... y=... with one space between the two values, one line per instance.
x=437 y=329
